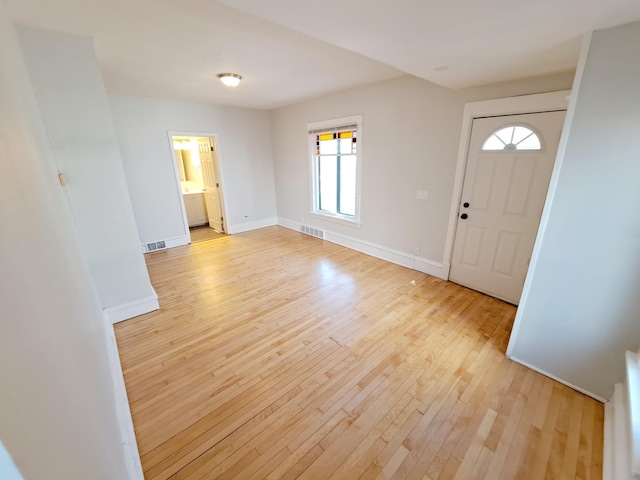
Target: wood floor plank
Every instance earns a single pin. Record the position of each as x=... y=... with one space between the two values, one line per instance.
x=278 y=355
x=468 y=463
x=570 y=457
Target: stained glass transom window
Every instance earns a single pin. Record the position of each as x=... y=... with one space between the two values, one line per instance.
x=512 y=138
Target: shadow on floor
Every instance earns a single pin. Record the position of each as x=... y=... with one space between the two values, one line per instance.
x=199 y=234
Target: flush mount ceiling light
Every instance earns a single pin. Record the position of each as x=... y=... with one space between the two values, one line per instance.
x=230 y=79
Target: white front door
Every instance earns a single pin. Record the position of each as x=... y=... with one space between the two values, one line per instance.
x=508 y=170
x=211 y=185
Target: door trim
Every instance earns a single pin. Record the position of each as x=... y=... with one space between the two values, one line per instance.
x=170 y=135
x=537 y=103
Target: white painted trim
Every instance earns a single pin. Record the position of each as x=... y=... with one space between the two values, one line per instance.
x=407 y=260
x=123 y=412
x=547 y=374
x=215 y=160
x=431 y=267
x=608 y=445
x=128 y=310
x=351 y=119
x=170 y=242
x=616 y=456
x=217 y=164
x=633 y=402
x=551 y=191
x=178 y=241
x=541 y=102
x=248 y=226
x=176 y=175
x=291 y=225
x=336 y=219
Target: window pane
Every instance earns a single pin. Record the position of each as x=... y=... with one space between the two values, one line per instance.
x=505 y=135
x=328 y=147
x=328 y=180
x=333 y=147
x=348 y=184
x=493 y=143
x=520 y=134
x=512 y=138
x=345 y=146
x=530 y=143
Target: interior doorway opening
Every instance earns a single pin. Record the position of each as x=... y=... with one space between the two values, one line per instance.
x=198 y=174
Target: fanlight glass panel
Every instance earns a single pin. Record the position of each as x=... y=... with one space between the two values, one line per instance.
x=512 y=138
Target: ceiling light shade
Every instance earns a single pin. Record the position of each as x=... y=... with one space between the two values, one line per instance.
x=230 y=79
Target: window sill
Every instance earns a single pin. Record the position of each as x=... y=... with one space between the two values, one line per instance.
x=331 y=218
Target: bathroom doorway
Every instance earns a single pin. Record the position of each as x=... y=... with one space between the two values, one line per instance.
x=198 y=173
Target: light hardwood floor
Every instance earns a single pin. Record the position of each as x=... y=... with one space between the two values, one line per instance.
x=200 y=234
x=278 y=355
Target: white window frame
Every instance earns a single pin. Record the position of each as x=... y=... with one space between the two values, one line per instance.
x=353 y=220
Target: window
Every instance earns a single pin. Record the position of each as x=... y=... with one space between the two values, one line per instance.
x=335 y=153
x=512 y=138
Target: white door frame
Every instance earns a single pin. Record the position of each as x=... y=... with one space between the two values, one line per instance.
x=541 y=102
x=217 y=171
x=172 y=134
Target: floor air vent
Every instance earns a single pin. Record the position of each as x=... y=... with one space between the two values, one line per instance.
x=314 y=232
x=153 y=246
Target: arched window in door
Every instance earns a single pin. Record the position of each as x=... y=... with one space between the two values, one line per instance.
x=511 y=138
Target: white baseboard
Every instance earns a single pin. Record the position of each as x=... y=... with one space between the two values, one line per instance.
x=247 y=226
x=616 y=456
x=609 y=433
x=407 y=260
x=170 y=242
x=622 y=426
x=437 y=269
x=547 y=374
x=178 y=241
x=291 y=225
x=123 y=412
x=633 y=411
x=128 y=310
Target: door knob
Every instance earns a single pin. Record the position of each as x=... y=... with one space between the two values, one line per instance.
x=465 y=204
x=464 y=216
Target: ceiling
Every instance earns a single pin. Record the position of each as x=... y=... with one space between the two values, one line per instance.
x=291 y=50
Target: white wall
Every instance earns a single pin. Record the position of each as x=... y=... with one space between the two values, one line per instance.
x=71 y=98
x=410 y=136
x=57 y=409
x=244 y=152
x=581 y=305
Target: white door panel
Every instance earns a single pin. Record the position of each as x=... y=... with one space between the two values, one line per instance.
x=505 y=192
x=211 y=186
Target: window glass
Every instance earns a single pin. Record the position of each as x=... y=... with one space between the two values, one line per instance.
x=520 y=133
x=335 y=169
x=328 y=147
x=529 y=143
x=345 y=146
x=493 y=143
x=348 y=185
x=512 y=138
x=328 y=183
